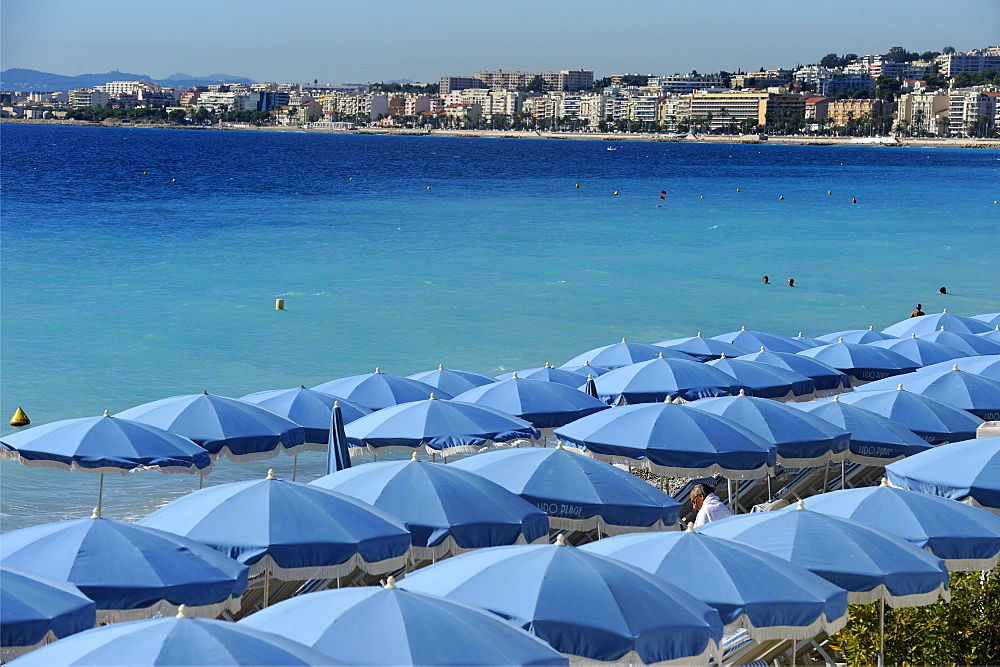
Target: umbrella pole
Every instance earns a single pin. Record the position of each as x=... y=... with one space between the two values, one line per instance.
x=881 y=631
x=736 y=498
x=826 y=476
x=100 y=495
x=201 y=481
x=769 y=496
x=295 y=466
x=267 y=583
x=843 y=473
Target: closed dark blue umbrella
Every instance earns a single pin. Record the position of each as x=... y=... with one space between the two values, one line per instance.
x=622 y=354
x=703 y=349
x=930 y=323
x=130 y=571
x=374 y=625
x=970 y=344
x=223 y=426
x=964 y=537
x=437 y=427
x=339 y=455
x=864 y=363
x=932 y=420
x=967 y=471
x=660 y=379
x=590 y=389
x=449 y=381
x=751 y=589
x=177 y=641
x=291 y=531
x=754 y=340
x=987 y=365
x=545 y=405
x=803 y=440
x=576 y=491
x=868 y=335
x=36 y=609
x=548 y=374
x=828 y=379
x=672 y=439
x=973 y=393
x=875 y=440
x=766 y=381
x=308 y=408
x=918 y=350
x=445 y=509
x=581 y=603
x=380 y=390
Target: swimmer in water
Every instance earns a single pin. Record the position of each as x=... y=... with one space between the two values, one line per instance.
x=943 y=291
x=917 y=312
x=766 y=280
x=791 y=282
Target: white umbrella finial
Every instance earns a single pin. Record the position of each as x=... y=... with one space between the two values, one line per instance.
x=690 y=528
x=840 y=340
x=723 y=356
x=699 y=335
x=559 y=444
x=836 y=399
x=871 y=327
x=270 y=474
x=945 y=310
x=182 y=611
x=560 y=540
x=513 y=376
x=96 y=514
x=433 y=397
x=548 y=365
x=440 y=367
x=763 y=349
x=336 y=404
x=800 y=334
x=415 y=457
x=659 y=355
x=390 y=582
x=106 y=414
x=884 y=482
x=942 y=328
x=590 y=376
x=899 y=387
x=743 y=392
x=955 y=367
x=743 y=328
x=378 y=370
x=801 y=505
x=913 y=335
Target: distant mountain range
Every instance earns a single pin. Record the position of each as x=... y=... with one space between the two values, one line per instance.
x=29 y=79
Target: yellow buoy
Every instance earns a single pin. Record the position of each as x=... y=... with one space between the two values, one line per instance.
x=173 y=180
x=701 y=197
x=279 y=304
x=737 y=189
x=428 y=187
x=616 y=192
x=144 y=173
x=350 y=179
x=829 y=192
x=781 y=197
x=578 y=185
x=19 y=418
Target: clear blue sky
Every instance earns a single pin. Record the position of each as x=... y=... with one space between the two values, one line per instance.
x=337 y=41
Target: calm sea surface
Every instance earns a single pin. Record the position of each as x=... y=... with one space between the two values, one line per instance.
x=140 y=264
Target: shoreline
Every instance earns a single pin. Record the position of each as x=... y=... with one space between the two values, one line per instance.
x=918 y=142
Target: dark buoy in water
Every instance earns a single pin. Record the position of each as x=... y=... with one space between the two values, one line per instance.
x=854 y=201
x=19 y=418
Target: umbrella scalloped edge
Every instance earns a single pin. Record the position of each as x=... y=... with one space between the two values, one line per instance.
x=124 y=472
x=351 y=565
x=668 y=471
x=815 y=462
x=448 y=451
x=167 y=609
x=970 y=564
x=711 y=652
x=968 y=500
x=449 y=547
x=797 y=632
x=307 y=447
x=588 y=524
x=8 y=653
x=880 y=592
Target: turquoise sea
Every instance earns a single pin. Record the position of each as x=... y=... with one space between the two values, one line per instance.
x=139 y=264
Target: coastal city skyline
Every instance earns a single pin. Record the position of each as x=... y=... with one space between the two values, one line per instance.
x=340 y=43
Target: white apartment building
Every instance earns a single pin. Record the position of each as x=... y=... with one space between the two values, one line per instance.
x=643 y=108
x=681 y=84
x=673 y=108
x=972 y=62
x=88 y=97
x=968 y=106
x=119 y=88
x=923 y=110
x=726 y=108
x=230 y=101
x=592 y=109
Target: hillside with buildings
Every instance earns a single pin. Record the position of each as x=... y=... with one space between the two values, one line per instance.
x=951 y=94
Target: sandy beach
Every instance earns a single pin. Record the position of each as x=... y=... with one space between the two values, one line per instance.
x=914 y=142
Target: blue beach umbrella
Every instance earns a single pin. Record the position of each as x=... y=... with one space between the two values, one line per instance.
x=751 y=589
x=389 y=626
x=177 y=641
x=973 y=393
x=991 y=319
x=964 y=537
x=672 y=440
x=934 y=421
x=806 y=341
x=547 y=373
x=987 y=365
x=380 y=390
x=287 y=530
x=310 y=409
x=970 y=344
x=582 y=604
x=622 y=354
x=703 y=349
x=660 y=379
x=577 y=492
x=105 y=444
x=766 y=381
x=545 y=405
x=918 y=350
x=130 y=571
x=36 y=610
x=992 y=334
x=437 y=427
x=446 y=510
x=868 y=563
x=339 y=454
x=930 y=323
x=864 y=363
x=223 y=426
x=802 y=440
x=875 y=440
x=754 y=340
x=868 y=335
x=449 y=381
x=828 y=380
x=967 y=471
x=585 y=369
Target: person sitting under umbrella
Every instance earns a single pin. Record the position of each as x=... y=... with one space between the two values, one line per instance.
x=710 y=507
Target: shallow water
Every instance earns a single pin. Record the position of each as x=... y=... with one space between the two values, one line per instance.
x=121 y=287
